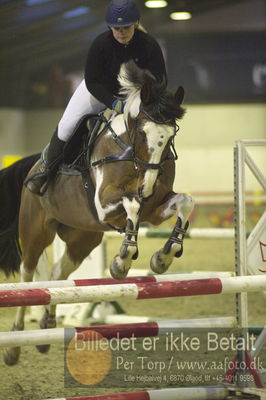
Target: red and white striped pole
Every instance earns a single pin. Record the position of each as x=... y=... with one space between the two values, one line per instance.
x=109 y=281
x=137 y=291
x=57 y=335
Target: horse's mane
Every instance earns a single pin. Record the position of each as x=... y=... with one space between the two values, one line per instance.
x=140 y=86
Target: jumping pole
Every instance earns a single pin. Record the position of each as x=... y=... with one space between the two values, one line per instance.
x=149 y=329
x=134 y=291
x=109 y=281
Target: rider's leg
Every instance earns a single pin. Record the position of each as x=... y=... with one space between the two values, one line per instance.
x=37 y=183
x=80 y=104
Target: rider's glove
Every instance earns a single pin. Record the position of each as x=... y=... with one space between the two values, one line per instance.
x=118 y=105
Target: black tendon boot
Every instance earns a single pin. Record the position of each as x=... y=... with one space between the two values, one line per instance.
x=38 y=182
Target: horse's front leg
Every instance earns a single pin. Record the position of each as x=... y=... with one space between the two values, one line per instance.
x=179 y=205
x=121 y=263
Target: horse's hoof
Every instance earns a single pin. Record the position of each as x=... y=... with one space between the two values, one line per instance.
x=159 y=262
x=43 y=348
x=11 y=355
x=118 y=268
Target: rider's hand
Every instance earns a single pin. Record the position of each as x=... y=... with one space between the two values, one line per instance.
x=118 y=105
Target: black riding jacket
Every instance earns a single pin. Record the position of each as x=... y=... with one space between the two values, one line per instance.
x=106 y=55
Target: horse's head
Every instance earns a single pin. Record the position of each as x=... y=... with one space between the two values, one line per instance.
x=151 y=115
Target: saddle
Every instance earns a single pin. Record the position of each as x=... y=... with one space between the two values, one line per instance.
x=78 y=149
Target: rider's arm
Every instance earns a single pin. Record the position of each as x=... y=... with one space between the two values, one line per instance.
x=96 y=63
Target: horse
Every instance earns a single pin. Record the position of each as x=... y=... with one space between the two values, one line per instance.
x=131 y=170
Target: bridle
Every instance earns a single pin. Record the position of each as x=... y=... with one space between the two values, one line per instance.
x=129 y=149
x=172 y=146
x=151 y=118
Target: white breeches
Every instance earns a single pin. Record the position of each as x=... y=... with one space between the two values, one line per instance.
x=81 y=103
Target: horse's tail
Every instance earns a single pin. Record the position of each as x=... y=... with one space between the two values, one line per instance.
x=11 y=184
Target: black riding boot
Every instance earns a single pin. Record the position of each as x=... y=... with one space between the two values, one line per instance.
x=38 y=182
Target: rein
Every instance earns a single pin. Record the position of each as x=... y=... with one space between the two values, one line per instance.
x=127 y=155
x=128 y=150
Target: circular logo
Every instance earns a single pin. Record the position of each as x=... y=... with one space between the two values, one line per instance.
x=88 y=357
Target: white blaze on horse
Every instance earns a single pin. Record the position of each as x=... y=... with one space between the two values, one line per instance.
x=128 y=179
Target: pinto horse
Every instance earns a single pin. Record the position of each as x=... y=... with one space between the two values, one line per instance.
x=132 y=171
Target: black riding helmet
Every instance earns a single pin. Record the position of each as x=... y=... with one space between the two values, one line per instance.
x=122 y=13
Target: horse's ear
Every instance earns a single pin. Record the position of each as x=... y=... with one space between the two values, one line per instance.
x=179 y=95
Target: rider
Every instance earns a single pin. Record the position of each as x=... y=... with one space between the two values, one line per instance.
x=124 y=40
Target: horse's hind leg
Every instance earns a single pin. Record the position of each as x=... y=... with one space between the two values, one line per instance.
x=79 y=245
x=60 y=270
x=11 y=354
x=34 y=240
x=180 y=205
